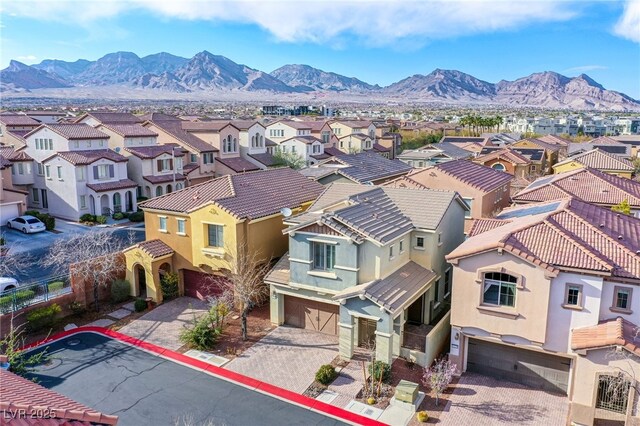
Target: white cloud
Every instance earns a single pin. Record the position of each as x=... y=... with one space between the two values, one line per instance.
x=585 y=68
x=375 y=22
x=629 y=24
x=27 y=58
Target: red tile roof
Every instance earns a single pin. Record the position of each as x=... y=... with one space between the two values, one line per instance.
x=238 y=164
x=110 y=117
x=555 y=140
x=82 y=158
x=598 y=159
x=206 y=126
x=18 y=120
x=155 y=179
x=154 y=248
x=131 y=130
x=483 y=225
x=10 y=154
x=112 y=186
x=248 y=195
x=614 y=332
x=266 y=159
x=19 y=393
x=503 y=154
x=153 y=151
x=475 y=175
x=564 y=234
x=73 y=131
x=590 y=185
x=542 y=144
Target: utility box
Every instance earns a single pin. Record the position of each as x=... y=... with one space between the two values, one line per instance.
x=406 y=391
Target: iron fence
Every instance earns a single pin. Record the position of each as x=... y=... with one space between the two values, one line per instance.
x=33 y=293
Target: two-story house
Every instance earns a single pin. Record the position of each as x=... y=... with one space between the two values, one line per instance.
x=365 y=168
x=551 y=151
x=156 y=168
x=342 y=128
x=13 y=201
x=368 y=264
x=355 y=142
x=198 y=230
x=13 y=127
x=597 y=159
x=307 y=147
x=546 y=295
x=282 y=130
x=485 y=190
x=253 y=143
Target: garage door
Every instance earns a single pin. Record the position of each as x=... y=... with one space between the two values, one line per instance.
x=311 y=315
x=530 y=368
x=7 y=212
x=200 y=285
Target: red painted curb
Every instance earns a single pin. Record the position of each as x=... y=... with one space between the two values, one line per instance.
x=228 y=375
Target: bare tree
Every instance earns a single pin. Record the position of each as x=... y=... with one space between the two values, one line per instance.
x=93 y=256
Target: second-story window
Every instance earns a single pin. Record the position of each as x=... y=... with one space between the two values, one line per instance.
x=60 y=172
x=573 y=295
x=499 y=289
x=103 y=171
x=469 y=203
x=390 y=252
x=193 y=158
x=163 y=223
x=420 y=242
x=165 y=165
x=324 y=256
x=207 y=158
x=181 y=226
x=80 y=174
x=47 y=171
x=622 y=298
x=215 y=234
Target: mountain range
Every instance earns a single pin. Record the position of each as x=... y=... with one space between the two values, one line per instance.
x=209 y=73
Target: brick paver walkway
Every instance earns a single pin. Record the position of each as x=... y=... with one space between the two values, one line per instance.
x=287 y=357
x=162 y=325
x=481 y=400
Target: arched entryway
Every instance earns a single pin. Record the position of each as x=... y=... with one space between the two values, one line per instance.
x=92 y=204
x=104 y=205
x=147 y=191
x=117 y=202
x=169 y=189
x=140 y=276
x=158 y=191
x=128 y=201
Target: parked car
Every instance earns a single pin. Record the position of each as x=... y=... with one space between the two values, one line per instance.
x=26 y=224
x=7 y=284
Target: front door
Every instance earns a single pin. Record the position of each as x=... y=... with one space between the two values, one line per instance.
x=366 y=332
x=45 y=201
x=415 y=312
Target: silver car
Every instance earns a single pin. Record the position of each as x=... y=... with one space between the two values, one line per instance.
x=26 y=224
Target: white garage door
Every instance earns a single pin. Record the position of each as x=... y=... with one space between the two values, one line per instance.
x=8 y=212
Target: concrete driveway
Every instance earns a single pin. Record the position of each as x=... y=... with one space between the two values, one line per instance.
x=162 y=326
x=287 y=357
x=481 y=400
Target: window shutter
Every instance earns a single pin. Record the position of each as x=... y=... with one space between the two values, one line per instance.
x=220 y=238
x=95 y=172
x=170 y=164
x=111 y=171
x=159 y=165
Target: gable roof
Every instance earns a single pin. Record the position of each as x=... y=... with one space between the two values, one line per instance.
x=158 y=116
x=505 y=154
x=542 y=144
x=613 y=332
x=365 y=167
x=174 y=128
x=153 y=248
x=248 y=195
x=72 y=131
x=298 y=125
x=599 y=159
x=206 y=126
x=587 y=184
x=307 y=139
x=83 y=158
x=109 y=117
x=131 y=130
x=564 y=234
x=555 y=140
x=153 y=151
x=474 y=175
x=18 y=120
x=238 y=164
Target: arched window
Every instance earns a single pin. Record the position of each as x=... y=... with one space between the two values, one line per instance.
x=158 y=191
x=117 y=202
x=499 y=289
x=169 y=189
x=178 y=186
x=253 y=141
x=499 y=166
x=235 y=145
x=261 y=140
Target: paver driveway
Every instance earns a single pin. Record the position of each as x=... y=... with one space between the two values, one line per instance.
x=481 y=400
x=162 y=325
x=287 y=357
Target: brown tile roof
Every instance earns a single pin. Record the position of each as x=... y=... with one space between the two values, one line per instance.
x=131 y=130
x=205 y=126
x=18 y=120
x=542 y=144
x=189 y=167
x=73 y=131
x=298 y=125
x=238 y=164
x=111 y=186
x=10 y=154
x=555 y=140
x=564 y=234
x=108 y=117
x=266 y=159
x=332 y=151
x=244 y=124
x=614 y=332
x=153 y=151
x=590 y=185
x=307 y=139
x=269 y=142
x=163 y=178
x=483 y=225
x=248 y=195
x=604 y=140
x=158 y=116
x=354 y=124
x=82 y=158
x=504 y=154
x=174 y=128
x=379 y=148
x=19 y=393
x=154 y=248
x=598 y=159
x=475 y=175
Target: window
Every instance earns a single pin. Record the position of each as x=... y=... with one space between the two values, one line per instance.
x=80 y=175
x=439 y=238
x=325 y=136
x=181 y=226
x=103 y=171
x=60 y=172
x=573 y=295
x=499 y=289
x=447 y=282
x=47 y=171
x=216 y=236
x=293 y=148
x=76 y=144
x=35 y=195
x=316 y=149
x=207 y=158
x=193 y=158
x=158 y=191
x=40 y=169
x=324 y=256
x=83 y=201
x=622 y=299
x=613 y=393
x=469 y=203
x=20 y=168
x=164 y=165
x=420 y=242
x=499 y=167
x=163 y=223
x=390 y=252
x=401 y=246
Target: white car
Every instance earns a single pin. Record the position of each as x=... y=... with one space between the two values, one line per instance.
x=7 y=284
x=26 y=224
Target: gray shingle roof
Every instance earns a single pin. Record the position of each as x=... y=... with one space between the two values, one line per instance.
x=366 y=167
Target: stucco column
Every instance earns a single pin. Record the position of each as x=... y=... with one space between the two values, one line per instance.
x=384 y=339
x=276 y=306
x=346 y=334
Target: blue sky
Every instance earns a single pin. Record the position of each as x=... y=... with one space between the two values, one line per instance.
x=378 y=42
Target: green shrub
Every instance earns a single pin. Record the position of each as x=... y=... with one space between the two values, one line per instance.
x=48 y=220
x=200 y=335
x=141 y=199
x=169 y=285
x=88 y=217
x=55 y=286
x=125 y=215
x=2 y=241
x=33 y=213
x=76 y=307
x=136 y=217
x=43 y=318
x=22 y=298
x=120 y=291
x=326 y=374
x=101 y=220
x=140 y=305
x=378 y=368
x=118 y=216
